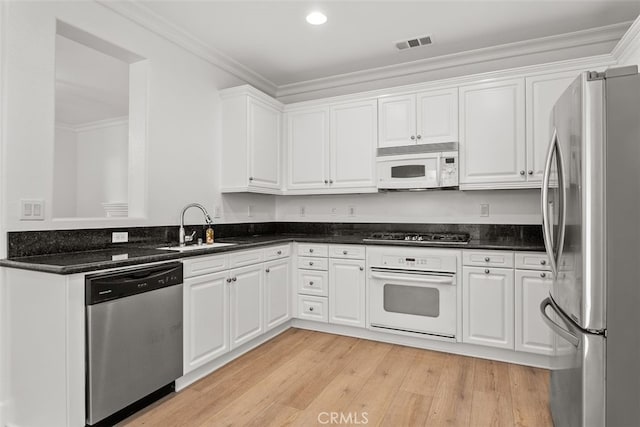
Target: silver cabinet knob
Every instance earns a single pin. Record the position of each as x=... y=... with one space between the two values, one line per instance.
x=487 y=271
x=521 y=172
x=310 y=262
x=228 y=279
x=530 y=172
x=361 y=268
x=279 y=252
x=311 y=250
x=330 y=181
x=250 y=178
x=344 y=252
x=413 y=137
x=310 y=308
x=267 y=270
x=234 y=279
x=419 y=137
x=543 y=261
x=487 y=259
x=326 y=181
x=311 y=283
x=543 y=275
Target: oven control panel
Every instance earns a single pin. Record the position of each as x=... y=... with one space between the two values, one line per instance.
x=422 y=263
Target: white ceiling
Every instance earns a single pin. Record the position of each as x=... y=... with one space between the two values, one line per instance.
x=272 y=39
x=90 y=85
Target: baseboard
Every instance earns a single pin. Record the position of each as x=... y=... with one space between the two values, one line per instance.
x=482 y=352
x=214 y=365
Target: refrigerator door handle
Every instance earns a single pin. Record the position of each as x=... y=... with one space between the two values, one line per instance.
x=567 y=335
x=546 y=230
x=562 y=205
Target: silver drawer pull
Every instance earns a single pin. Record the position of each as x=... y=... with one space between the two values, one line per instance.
x=279 y=252
x=543 y=262
x=344 y=252
x=487 y=259
x=361 y=268
x=310 y=308
x=310 y=262
x=543 y=275
x=311 y=250
x=311 y=283
x=487 y=271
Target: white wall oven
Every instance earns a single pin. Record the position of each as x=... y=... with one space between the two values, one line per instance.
x=413 y=290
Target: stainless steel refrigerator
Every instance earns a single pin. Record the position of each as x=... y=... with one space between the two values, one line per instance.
x=591 y=223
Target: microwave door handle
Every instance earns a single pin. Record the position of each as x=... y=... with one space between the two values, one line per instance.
x=544 y=201
x=567 y=335
x=447 y=280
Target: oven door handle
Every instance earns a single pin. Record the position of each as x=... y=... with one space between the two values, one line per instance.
x=440 y=280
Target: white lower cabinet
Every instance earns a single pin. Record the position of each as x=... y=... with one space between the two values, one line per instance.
x=347 y=305
x=277 y=295
x=206 y=318
x=532 y=334
x=246 y=296
x=488 y=312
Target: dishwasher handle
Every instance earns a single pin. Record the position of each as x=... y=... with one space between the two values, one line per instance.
x=100 y=288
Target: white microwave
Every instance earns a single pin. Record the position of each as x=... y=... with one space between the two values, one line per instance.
x=417 y=171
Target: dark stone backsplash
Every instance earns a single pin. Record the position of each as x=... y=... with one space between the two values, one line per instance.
x=31 y=243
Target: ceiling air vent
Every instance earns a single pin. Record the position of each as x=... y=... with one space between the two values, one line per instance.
x=414 y=42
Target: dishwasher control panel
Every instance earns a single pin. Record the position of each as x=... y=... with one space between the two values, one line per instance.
x=104 y=287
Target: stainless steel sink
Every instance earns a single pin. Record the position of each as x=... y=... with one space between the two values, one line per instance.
x=195 y=247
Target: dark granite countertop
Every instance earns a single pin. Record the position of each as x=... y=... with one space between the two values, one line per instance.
x=128 y=255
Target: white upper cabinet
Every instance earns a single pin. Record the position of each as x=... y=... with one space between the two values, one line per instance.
x=422 y=118
x=332 y=149
x=397 y=121
x=542 y=93
x=492 y=134
x=353 y=145
x=251 y=140
x=307 y=149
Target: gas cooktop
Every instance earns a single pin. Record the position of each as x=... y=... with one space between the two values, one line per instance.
x=444 y=238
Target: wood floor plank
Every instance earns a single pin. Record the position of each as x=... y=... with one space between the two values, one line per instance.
x=452 y=403
x=299 y=375
x=530 y=397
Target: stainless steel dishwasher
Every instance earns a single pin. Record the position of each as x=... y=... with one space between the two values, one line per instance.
x=134 y=338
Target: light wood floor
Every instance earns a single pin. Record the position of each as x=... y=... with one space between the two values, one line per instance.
x=302 y=375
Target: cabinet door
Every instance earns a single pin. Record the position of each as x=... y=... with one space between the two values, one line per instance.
x=347 y=292
x=397 y=121
x=353 y=145
x=264 y=144
x=277 y=293
x=532 y=334
x=492 y=134
x=206 y=319
x=308 y=136
x=542 y=94
x=246 y=298
x=487 y=301
x=437 y=113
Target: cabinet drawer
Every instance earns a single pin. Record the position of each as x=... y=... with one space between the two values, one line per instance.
x=306 y=249
x=532 y=261
x=313 y=308
x=347 y=251
x=488 y=258
x=205 y=265
x=313 y=282
x=276 y=252
x=313 y=263
x=241 y=259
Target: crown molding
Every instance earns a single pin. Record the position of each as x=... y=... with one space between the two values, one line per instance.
x=142 y=15
x=629 y=43
x=88 y=126
x=609 y=33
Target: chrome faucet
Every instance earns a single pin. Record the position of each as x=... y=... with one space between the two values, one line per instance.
x=207 y=218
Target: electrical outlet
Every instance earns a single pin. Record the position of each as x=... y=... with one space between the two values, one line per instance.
x=484 y=209
x=352 y=211
x=302 y=211
x=250 y=210
x=120 y=237
x=217 y=212
x=31 y=210
x=334 y=211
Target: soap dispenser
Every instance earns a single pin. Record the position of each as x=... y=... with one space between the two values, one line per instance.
x=209 y=235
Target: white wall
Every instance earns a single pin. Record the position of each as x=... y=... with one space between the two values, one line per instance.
x=65 y=173
x=183 y=124
x=102 y=163
x=505 y=207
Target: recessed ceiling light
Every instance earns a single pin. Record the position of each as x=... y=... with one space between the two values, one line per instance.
x=316 y=18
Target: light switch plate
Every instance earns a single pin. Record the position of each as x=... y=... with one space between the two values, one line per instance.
x=484 y=209
x=119 y=237
x=32 y=210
